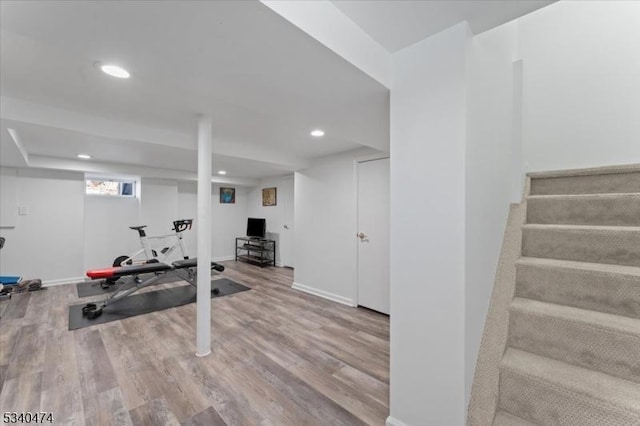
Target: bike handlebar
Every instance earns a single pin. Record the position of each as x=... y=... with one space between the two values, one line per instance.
x=178 y=226
x=182 y=224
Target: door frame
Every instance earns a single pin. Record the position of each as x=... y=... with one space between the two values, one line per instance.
x=356 y=185
x=284 y=216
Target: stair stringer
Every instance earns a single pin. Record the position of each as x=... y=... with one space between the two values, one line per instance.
x=485 y=388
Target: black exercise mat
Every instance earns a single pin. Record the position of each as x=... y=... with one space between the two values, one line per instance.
x=152 y=301
x=93 y=288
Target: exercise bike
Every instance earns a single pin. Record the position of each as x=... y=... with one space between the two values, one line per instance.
x=149 y=255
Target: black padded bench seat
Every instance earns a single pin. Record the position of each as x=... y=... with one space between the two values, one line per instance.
x=123 y=271
x=185 y=263
x=146 y=268
x=192 y=263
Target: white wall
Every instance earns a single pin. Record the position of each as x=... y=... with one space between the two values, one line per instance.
x=158 y=210
x=287 y=240
x=8 y=199
x=325 y=227
x=428 y=137
x=67 y=232
x=107 y=221
x=580 y=97
x=581 y=85
x=158 y=205
x=48 y=241
x=273 y=214
x=229 y=220
x=578 y=105
x=106 y=229
x=188 y=209
x=488 y=179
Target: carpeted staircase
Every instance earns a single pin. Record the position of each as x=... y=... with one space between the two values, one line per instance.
x=563 y=329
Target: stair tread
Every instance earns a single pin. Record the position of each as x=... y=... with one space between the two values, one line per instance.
x=581 y=227
x=587 y=196
x=594 y=319
x=504 y=418
x=587 y=171
x=596 y=385
x=585 y=266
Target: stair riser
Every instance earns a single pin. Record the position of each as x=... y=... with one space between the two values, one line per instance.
x=590 y=184
x=547 y=404
x=598 y=291
x=583 y=245
x=599 y=211
x=584 y=345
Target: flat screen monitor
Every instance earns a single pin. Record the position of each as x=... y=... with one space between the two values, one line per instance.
x=256 y=227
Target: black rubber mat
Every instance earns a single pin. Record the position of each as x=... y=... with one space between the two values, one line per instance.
x=153 y=301
x=93 y=288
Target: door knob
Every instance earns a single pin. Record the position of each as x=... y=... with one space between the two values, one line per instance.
x=362 y=236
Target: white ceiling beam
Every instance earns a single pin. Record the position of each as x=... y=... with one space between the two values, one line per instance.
x=327 y=24
x=19 y=144
x=263 y=154
x=12 y=152
x=44 y=115
x=98 y=168
x=34 y=113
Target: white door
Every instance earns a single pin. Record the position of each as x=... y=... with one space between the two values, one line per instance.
x=286 y=243
x=373 y=235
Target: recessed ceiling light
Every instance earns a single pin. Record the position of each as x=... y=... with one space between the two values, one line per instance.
x=84 y=156
x=114 y=71
x=222 y=172
x=317 y=133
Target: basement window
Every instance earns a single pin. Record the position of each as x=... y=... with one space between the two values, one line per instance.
x=113 y=188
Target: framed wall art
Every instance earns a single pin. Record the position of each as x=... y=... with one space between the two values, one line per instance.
x=269 y=196
x=227 y=195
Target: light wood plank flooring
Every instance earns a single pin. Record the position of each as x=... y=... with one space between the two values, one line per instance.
x=280 y=357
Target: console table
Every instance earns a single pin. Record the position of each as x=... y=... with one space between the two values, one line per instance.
x=258 y=251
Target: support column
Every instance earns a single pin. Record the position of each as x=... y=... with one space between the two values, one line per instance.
x=203 y=303
x=428 y=113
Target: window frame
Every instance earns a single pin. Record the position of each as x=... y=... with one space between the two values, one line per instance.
x=134 y=186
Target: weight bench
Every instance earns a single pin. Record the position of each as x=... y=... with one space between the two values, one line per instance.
x=183 y=269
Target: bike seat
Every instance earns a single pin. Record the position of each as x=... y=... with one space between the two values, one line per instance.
x=137 y=228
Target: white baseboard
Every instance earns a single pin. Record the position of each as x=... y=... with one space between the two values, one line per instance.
x=61 y=281
x=394 y=422
x=324 y=294
x=223 y=258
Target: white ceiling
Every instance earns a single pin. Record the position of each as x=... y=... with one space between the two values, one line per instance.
x=397 y=24
x=55 y=143
x=266 y=83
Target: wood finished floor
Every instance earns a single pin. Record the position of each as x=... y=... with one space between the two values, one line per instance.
x=280 y=357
